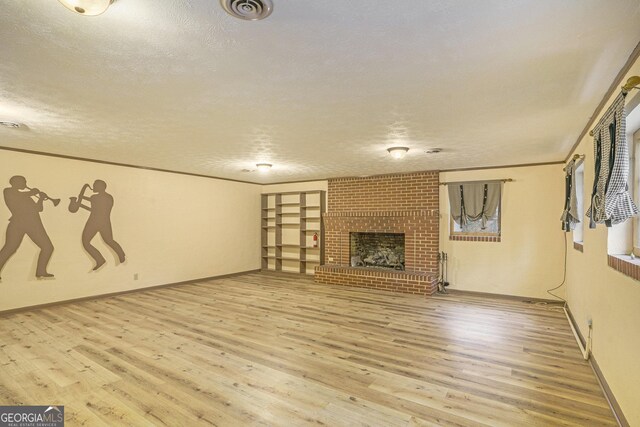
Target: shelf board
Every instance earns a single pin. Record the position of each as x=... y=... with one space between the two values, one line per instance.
x=269 y=256
x=310 y=229
x=310 y=247
x=310 y=206
x=293 y=192
x=284 y=258
x=310 y=261
x=289 y=204
x=288 y=245
x=289 y=223
x=290 y=214
x=310 y=217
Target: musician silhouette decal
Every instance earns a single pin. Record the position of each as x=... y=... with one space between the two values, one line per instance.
x=99 y=220
x=25 y=219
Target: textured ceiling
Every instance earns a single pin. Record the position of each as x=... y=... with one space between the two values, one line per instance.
x=320 y=88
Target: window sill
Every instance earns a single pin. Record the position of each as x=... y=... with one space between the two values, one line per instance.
x=468 y=238
x=578 y=246
x=625 y=265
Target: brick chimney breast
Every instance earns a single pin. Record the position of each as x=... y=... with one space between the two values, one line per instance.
x=398 y=203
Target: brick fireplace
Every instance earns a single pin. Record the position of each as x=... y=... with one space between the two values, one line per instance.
x=401 y=204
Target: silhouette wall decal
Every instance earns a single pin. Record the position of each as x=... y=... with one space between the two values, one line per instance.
x=25 y=219
x=99 y=221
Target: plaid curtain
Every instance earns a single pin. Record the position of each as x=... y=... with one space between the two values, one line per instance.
x=610 y=200
x=569 y=216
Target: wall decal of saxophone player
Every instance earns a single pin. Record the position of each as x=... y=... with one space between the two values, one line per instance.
x=99 y=221
x=25 y=219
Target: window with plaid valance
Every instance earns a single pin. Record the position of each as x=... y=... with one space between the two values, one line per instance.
x=610 y=200
x=571 y=215
x=474 y=201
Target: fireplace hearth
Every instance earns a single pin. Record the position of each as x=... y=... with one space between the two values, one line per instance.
x=377 y=250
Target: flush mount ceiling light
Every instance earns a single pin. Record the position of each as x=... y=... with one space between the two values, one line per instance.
x=263 y=167
x=12 y=125
x=398 y=152
x=87 y=7
x=249 y=10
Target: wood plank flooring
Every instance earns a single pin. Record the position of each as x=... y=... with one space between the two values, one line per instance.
x=265 y=349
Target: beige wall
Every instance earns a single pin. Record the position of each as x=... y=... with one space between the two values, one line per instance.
x=609 y=298
x=172 y=227
x=529 y=258
x=295 y=186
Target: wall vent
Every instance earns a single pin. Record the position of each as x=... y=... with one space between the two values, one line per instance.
x=249 y=10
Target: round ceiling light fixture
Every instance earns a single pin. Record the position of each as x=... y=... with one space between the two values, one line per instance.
x=87 y=7
x=12 y=125
x=398 y=152
x=249 y=10
x=264 y=167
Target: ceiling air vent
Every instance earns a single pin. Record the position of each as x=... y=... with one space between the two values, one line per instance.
x=249 y=10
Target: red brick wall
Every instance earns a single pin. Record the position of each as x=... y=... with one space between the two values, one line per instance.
x=398 y=192
x=399 y=203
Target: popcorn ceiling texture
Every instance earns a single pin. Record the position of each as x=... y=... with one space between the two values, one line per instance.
x=319 y=89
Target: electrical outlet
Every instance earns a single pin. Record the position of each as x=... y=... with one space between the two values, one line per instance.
x=330 y=259
x=135 y=276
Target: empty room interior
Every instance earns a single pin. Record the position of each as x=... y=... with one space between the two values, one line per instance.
x=327 y=213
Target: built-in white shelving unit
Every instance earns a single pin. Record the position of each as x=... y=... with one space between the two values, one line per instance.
x=289 y=223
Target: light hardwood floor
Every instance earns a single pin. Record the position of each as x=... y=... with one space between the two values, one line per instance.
x=264 y=349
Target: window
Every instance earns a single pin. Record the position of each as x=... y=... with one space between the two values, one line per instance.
x=635 y=186
x=578 y=231
x=624 y=238
x=475 y=209
x=492 y=226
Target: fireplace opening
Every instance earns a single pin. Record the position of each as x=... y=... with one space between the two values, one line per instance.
x=377 y=250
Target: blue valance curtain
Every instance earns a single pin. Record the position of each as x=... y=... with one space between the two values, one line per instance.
x=610 y=200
